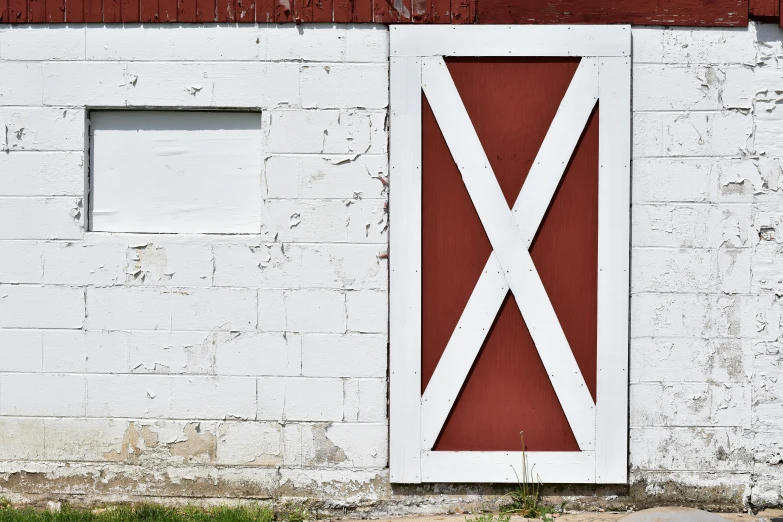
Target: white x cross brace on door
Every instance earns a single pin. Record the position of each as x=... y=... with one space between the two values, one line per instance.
x=600 y=429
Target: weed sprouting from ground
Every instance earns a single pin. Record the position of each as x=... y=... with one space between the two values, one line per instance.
x=140 y=513
x=525 y=498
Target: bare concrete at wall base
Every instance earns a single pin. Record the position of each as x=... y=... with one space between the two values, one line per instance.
x=346 y=493
x=217 y=369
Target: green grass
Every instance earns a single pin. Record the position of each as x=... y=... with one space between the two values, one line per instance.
x=141 y=513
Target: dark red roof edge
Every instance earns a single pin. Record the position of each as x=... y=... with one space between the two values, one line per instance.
x=699 y=13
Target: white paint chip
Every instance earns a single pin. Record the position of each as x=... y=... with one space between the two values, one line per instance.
x=175 y=172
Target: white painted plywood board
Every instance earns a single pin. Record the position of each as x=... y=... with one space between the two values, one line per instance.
x=175 y=172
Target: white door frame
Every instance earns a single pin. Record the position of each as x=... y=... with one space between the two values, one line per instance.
x=601 y=429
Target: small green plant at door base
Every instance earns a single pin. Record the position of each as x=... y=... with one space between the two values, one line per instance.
x=524 y=499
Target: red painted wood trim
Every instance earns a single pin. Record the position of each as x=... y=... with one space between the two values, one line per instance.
x=362 y=10
x=462 y=11
x=74 y=11
x=36 y=11
x=265 y=11
x=226 y=11
x=640 y=12
x=323 y=10
x=186 y=11
x=284 y=11
x=148 y=10
x=420 y=11
x=55 y=11
x=130 y=10
x=206 y=10
x=646 y=12
x=391 y=11
x=303 y=11
x=764 y=8
x=246 y=10
x=93 y=11
x=112 y=11
x=342 y=11
x=17 y=11
x=167 y=10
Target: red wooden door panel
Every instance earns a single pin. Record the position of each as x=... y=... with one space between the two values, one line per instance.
x=511 y=103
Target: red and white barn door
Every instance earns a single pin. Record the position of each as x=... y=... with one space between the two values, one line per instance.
x=510 y=179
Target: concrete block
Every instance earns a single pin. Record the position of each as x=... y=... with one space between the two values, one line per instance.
x=315 y=311
x=43 y=129
x=696 y=449
x=172 y=352
x=22 y=83
x=672 y=180
x=214 y=308
x=666 y=87
x=213 y=84
x=42 y=395
x=79 y=84
x=32 y=306
x=690 y=404
x=209 y=397
x=367 y=311
x=83 y=264
x=128 y=308
x=159 y=43
x=672 y=360
x=272 y=315
x=331 y=221
x=42 y=174
x=42 y=218
x=250 y=444
x=79 y=351
x=42 y=43
x=365 y=400
x=341 y=176
x=319 y=132
x=716 y=45
x=21 y=351
x=350 y=355
x=345 y=86
x=669 y=270
x=133 y=396
x=21 y=261
x=306 y=399
x=669 y=315
x=260 y=353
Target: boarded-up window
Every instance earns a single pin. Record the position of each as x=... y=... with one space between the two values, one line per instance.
x=175 y=172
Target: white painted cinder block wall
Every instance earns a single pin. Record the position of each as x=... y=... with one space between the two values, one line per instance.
x=171 y=367
x=707 y=265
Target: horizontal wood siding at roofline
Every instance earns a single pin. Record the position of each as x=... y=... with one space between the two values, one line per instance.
x=764 y=8
x=719 y=13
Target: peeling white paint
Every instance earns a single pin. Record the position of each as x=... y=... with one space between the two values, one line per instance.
x=257 y=363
